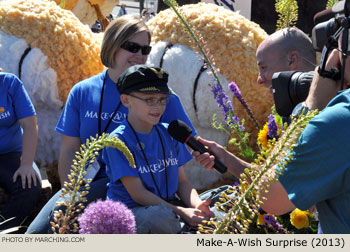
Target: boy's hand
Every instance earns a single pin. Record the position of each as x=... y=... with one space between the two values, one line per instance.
x=193 y=216
x=204 y=207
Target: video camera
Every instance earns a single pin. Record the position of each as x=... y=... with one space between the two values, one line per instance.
x=292 y=87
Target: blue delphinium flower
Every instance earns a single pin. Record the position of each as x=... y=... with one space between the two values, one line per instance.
x=107 y=217
x=272 y=127
x=273 y=222
x=237 y=93
x=222 y=100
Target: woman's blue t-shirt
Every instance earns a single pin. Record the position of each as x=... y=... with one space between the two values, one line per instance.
x=15 y=104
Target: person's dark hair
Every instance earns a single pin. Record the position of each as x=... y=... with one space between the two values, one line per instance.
x=118 y=31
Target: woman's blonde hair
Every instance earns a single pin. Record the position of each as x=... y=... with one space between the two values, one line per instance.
x=118 y=31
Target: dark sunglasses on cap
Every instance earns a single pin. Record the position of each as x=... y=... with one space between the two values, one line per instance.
x=134 y=47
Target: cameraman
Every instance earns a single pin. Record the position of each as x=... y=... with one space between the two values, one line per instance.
x=288 y=49
x=319 y=173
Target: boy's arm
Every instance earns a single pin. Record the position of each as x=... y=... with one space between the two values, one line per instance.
x=139 y=193
x=190 y=196
x=186 y=191
x=142 y=196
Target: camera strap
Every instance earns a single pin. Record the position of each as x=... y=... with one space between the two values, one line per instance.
x=332 y=73
x=331 y=44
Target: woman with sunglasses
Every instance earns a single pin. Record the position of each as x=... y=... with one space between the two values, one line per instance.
x=93 y=107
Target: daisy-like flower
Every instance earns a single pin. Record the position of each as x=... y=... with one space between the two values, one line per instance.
x=299 y=218
x=271 y=130
x=107 y=217
x=262 y=137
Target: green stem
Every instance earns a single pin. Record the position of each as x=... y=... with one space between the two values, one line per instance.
x=266 y=167
x=206 y=59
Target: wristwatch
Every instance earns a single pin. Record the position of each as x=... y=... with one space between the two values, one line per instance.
x=300 y=109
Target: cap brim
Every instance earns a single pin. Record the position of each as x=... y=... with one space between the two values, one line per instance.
x=152 y=89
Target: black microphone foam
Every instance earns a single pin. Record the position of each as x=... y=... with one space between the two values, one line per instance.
x=181 y=132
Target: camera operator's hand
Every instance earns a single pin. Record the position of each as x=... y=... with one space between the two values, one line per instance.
x=322 y=90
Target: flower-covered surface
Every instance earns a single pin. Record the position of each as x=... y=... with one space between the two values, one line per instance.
x=231 y=40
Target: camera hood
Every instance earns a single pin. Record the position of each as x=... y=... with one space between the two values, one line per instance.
x=289 y=89
x=338 y=7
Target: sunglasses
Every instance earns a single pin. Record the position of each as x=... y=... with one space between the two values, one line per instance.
x=134 y=47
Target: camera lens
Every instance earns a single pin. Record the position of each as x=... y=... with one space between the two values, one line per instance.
x=289 y=89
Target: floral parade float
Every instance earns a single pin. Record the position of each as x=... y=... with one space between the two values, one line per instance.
x=231 y=40
x=62 y=69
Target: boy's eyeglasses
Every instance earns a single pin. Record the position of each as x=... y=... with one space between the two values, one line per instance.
x=134 y=47
x=153 y=101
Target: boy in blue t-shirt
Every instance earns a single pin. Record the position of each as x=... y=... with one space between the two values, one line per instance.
x=149 y=189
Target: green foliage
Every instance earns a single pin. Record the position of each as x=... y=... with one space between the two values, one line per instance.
x=9 y=230
x=244 y=150
x=77 y=188
x=287 y=13
x=63 y=4
x=241 y=206
x=330 y=3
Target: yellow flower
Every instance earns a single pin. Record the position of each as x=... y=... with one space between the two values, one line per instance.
x=262 y=137
x=299 y=218
x=260 y=221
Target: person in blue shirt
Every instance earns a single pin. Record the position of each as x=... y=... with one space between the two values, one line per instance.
x=94 y=107
x=150 y=188
x=122 y=11
x=19 y=135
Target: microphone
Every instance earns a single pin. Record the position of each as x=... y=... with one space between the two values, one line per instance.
x=181 y=132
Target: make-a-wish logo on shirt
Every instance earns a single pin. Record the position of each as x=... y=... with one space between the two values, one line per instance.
x=4 y=114
x=160 y=165
x=117 y=118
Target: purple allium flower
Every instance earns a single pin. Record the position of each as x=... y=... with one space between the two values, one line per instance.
x=272 y=127
x=107 y=217
x=237 y=93
x=222 y=100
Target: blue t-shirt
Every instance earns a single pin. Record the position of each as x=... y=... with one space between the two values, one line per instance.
x=319 y=173
x=117 y=166
x=79 y=117
x=15 y=104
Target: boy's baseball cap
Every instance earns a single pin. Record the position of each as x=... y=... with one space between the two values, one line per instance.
x=143 y=79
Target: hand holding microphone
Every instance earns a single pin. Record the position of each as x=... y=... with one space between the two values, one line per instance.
x=181 y=132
